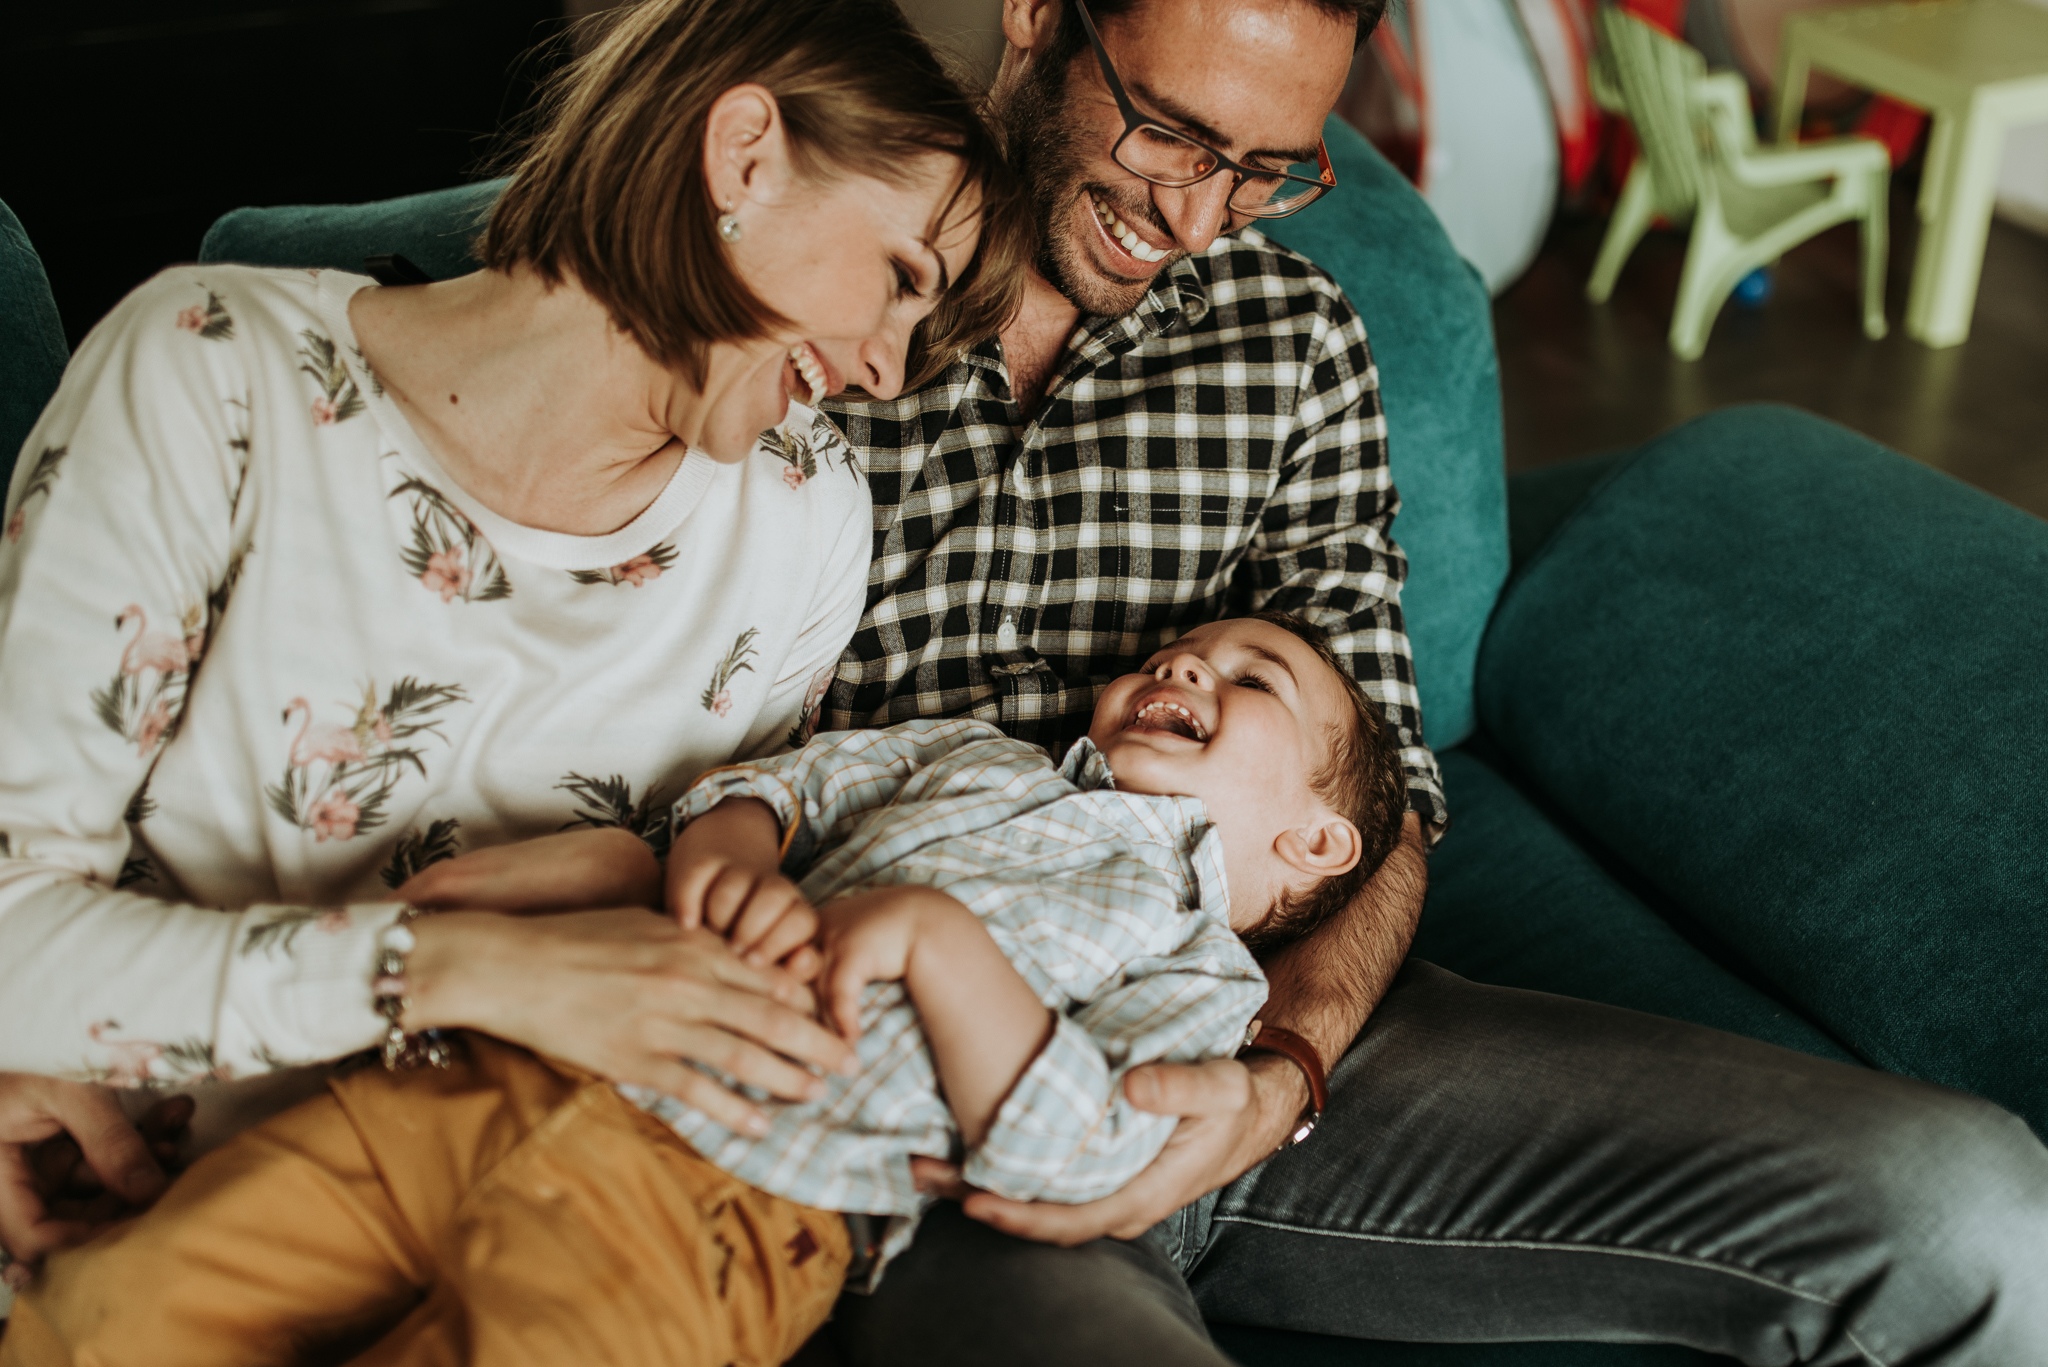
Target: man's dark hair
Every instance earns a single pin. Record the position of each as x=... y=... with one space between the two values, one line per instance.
x=1070 y=40
x=1361 y=780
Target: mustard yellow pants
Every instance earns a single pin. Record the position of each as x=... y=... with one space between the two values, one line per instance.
x=504 y=1211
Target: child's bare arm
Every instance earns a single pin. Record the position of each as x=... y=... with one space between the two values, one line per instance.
x=984 y=1023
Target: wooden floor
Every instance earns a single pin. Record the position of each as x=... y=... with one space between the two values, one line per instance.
x=1579 y=378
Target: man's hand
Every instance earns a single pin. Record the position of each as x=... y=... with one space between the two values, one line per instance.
x=1232 y=1116
x=70 y=1162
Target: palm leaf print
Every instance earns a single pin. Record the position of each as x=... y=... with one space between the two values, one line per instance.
x=278 y=936
x=829 y=442
x=339 y=398
x=42 y=477
x=190 y=1060
x=609 y=802
x=418 y=848
x=718 y=696
x=240 y=440
x=650 y=564
x=136 y=869
x=211 y=321
x=794 y=450
x=141 y=807
x=447 y=554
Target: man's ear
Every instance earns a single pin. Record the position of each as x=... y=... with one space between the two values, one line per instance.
x=746 y=149
x=1324 y=849
x=1029 y=25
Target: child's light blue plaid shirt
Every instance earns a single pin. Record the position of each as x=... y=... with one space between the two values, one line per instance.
x=1112 y=905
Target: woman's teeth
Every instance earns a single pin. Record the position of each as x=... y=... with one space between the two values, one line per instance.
x=806 y=363
x=1121 y=231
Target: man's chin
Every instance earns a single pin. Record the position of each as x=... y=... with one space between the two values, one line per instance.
x=1086 y=286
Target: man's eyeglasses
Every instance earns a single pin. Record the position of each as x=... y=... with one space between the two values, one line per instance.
x=1159 y=154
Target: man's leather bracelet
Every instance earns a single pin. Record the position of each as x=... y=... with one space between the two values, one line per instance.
x=1261 y=1038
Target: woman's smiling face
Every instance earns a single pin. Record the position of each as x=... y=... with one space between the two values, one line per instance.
x=852 y=263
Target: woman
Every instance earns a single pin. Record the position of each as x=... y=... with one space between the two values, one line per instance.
x=308 y=585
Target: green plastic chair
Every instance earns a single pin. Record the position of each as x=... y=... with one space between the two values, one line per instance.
x=1700 y=160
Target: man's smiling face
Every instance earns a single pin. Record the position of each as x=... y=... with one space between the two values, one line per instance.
x=1252 y=78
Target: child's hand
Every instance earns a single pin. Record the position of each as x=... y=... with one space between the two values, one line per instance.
x=759 y=912
x=572 y=871
x=865 y=938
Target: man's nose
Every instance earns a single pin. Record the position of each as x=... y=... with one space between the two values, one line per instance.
x=1196 y=213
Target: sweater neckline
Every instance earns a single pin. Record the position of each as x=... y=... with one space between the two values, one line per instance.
x=692 y=477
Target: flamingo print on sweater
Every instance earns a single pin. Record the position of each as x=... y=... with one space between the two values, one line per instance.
x=338 y=779
x=141 y=703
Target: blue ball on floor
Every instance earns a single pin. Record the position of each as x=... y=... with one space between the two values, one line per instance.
x=1752 y=290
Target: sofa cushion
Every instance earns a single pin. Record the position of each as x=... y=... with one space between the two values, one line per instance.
x=1793 y=681
x=1431 y=325
x=1425 y=310
x=1514 y=900
x=434 y=231
x=32 y=350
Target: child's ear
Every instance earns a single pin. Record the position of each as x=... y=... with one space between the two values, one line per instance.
x=1324 y=849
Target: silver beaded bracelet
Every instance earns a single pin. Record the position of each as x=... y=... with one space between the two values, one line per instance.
x=389 y=995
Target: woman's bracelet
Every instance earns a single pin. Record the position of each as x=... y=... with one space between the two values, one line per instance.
x=388 y=993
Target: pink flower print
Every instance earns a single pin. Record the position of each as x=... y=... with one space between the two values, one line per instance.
x=334 y=817
x=722 y=704
x=641 y=569
x=792 y=476
x=192 y=319
x=446 y=574
x=324 y=411
x=150 y=731
x=335 y=920
x=16 y=524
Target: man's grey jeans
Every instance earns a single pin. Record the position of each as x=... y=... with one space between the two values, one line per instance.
x=1499 y=1164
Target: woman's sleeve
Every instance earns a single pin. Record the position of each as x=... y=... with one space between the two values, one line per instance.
x=791 y=712
x=123 y=523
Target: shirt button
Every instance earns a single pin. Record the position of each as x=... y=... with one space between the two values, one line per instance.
x=1006 y=634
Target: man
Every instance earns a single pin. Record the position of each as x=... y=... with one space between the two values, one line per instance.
x=1182 y=421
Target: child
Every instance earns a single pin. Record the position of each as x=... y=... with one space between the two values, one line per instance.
x=1003 y=938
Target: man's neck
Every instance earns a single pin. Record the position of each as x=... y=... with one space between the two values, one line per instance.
x=1035 y=339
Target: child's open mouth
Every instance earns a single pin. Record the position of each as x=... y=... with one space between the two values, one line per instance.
x=1165 y=715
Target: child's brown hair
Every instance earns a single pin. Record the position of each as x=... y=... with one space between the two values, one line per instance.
x=608 y=185
x=1361 y=780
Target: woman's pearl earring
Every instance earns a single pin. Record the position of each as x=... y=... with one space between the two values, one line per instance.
x=729 y=227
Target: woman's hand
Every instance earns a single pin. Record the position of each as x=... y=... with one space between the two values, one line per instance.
x=628 y=994
x=70 y=1162
x=572 y=871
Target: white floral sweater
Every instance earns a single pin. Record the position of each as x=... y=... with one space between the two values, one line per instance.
x=261 y=659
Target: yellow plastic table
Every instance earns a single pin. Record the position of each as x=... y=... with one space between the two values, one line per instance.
x=1979 y=67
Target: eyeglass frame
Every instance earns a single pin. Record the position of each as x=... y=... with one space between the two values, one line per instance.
x=1133 y=121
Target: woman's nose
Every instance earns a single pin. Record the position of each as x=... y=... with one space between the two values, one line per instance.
x=882 y=361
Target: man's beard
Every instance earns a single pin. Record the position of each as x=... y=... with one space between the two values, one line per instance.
x=1045 y=142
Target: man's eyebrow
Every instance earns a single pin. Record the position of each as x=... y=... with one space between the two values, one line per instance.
x=1253 y=648
x=1188 y=121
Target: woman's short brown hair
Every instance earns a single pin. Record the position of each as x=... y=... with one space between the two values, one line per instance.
x=609 y=186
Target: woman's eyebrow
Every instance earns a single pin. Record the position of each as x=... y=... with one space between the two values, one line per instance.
x=945 y=276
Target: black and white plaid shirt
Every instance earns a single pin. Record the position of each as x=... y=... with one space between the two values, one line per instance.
x=1218 y=450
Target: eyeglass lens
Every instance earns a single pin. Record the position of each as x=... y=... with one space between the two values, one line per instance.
x=1165 y=158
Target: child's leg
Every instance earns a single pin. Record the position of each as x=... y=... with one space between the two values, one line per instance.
x=604 y=1238
x=317 y=1227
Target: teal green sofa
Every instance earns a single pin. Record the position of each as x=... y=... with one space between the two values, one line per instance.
x=1744 y=726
